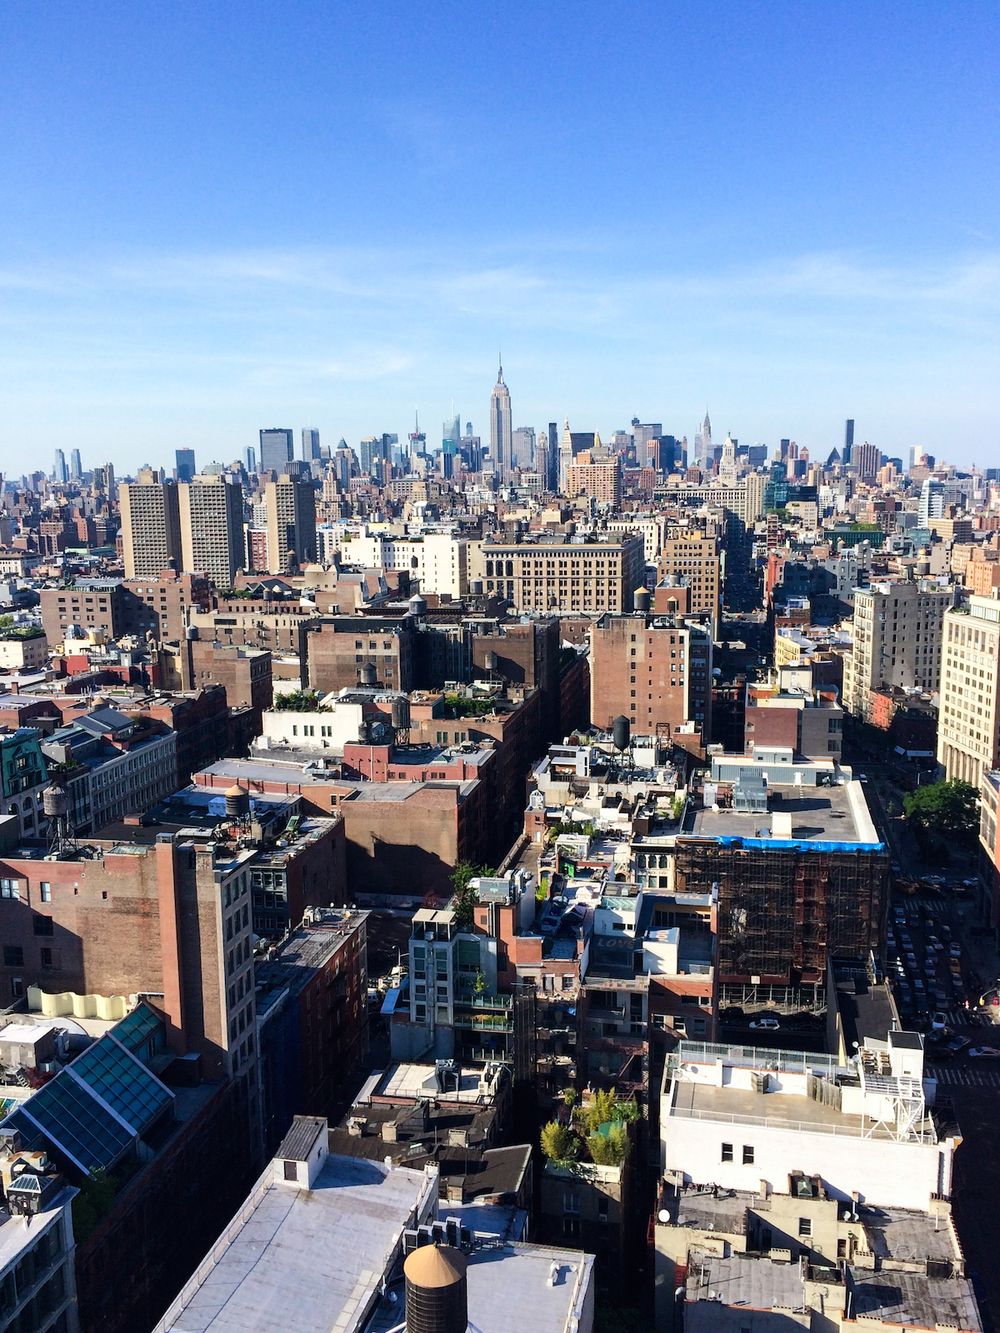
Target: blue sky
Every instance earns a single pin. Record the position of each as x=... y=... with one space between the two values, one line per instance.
x=226 y=216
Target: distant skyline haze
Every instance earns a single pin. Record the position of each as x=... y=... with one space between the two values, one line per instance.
x=222 y=219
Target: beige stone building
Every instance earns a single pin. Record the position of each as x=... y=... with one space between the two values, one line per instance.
x=560 y=575
x=969 y=718
x=896 y=641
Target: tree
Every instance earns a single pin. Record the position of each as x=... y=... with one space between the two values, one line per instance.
x=948 y=808
x=609 y=1149
x=599 y=1110
x=559 y=1143
x=464 y=896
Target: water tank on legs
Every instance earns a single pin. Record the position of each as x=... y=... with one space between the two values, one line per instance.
x=437 y=1298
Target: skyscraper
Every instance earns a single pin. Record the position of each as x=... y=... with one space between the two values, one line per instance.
x=845 y=453
x=251 y=459
x=59 y=474
x=75 y=466
x=211 y=519
x=310 y=443
x=151 y=530
x=522 y=445
x=705 y=455
x=186 y=466
x=275 y=449
x=291 y=522
x=500 y=426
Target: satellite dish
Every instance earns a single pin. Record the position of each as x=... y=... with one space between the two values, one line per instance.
x=845 y=1216
x=663 y=1216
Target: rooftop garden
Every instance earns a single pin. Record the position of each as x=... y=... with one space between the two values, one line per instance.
x=299 y=701
x=461 y=706
x=595 y=1132
x=10 y=630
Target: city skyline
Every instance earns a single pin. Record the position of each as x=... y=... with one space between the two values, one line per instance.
x=790 y=269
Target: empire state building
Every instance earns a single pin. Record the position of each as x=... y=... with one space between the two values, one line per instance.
x=501 y=441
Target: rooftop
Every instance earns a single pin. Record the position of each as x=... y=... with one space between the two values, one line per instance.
x=837 y=814
x=305 y=1259
x=754 y=1283
x=915 y=1300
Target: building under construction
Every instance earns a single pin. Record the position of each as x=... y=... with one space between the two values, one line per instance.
x=799 y=872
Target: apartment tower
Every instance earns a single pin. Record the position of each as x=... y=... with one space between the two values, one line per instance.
x=211 y=515
x=151 y=529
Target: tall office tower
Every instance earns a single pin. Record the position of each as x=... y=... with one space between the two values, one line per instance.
x=552 y=480
x=291 y=522
x=250 y=455
x=75 y=466
x=275 y=449
x=727 y=467
x=705 y=456
x=931 y=504
x=59 y=473
x=151 y=527
x=418 y=442
x=500 y=426
x=451 y=430
x=643 y=435
x=969 y=717
x=310 y=444
x=185 y=466
x=866 y=460
x=211 y=517
x=845 y=453
x=896 y=640
x=522 y=447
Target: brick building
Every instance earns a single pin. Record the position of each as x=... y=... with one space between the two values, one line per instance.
x=654 y=670
x=343 y=651
x=312 y=1017
x=159 y=606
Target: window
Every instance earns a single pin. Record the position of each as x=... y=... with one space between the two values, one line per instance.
x=291 y=1170
x=727 y=1152
x=805 y=1226
x=45 y=889
x=41 y=925
x=747 y=1155
x=47 y=958
x=841 y=1249
x=10 y=888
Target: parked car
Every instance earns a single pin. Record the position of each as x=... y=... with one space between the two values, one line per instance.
x=939 y=1021
x=765 y=1025
x=983 y=1053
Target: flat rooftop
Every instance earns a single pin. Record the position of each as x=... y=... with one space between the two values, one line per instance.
x=835 y=814
x=753 y=1283
x=309 y=1260
x=412 y=1081
x=702 y=1101
x=914 y=1300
